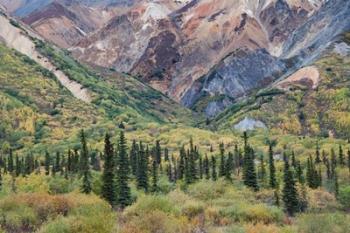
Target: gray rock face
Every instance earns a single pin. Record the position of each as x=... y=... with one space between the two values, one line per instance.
x=303 y=40
x=235 y=76
x=249 y=124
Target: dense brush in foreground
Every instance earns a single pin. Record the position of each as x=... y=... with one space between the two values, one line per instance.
x=152 y=188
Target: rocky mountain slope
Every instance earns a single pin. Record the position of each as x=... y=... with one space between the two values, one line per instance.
x=211 y=53
x=207 y=54
x=312 y=101
x=46 y=96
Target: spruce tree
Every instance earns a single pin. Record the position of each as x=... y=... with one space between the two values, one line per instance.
x=333 y=162
x=18 y=166
x=47 y=163
x=222 y=160
x=349 y=160
x=290 y=194
x=213 y=168
x=249 y=173
x=272 y=169
x=229 y=166
x=200 y=168
x=154 y=187
x=84 y=165
x=133 y=157
x=299 y=171
x=108 y=190
x=182 y=163
x=341 y=156
x=294 y=162
x=206 y=167
x=10 y=165
x=318 y=158
x=169 y=172
x=166 y=154
x=124 y=195
x=142 y=168
x=57 y=165
x=158 y=152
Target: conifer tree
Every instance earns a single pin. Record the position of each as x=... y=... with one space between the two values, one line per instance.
x=133 y=157
x=18 y=166
x=262 y=170
x=192 y=169
x=47 y=163
x=200 y=167
x=57 y=162
x=158 y=152
x=229 y=166
x=10 y=166
x=222 y=160
x=206 y=167
x=294 y=162
x=182 y=163
x=123 y=192
x=169 y=172
x=272 y=180
x=318 y=158
x=213 y=168
x=299 y=172
x=333 y=162
x=312 y=176
x=341 y=156
x=154 y=187
x=108 y=190
x=290 y=194
x=84 y=165
x=249 y=174
x=336 y=185
x=142 y=168
x=166 y=154
x=349 y=160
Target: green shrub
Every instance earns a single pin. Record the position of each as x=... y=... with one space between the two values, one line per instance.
x=344 y=197
x=324 y=223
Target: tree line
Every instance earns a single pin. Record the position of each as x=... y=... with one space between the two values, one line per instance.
x=143 y=164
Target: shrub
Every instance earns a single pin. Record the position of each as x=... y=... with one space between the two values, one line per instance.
x=344 y=197
x=146 y=204
x=324 y=223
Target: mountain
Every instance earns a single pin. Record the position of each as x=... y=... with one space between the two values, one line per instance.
x=47 y=96
x=201 y=53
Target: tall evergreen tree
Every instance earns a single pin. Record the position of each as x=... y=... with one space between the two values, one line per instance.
x=318 y=157
x=84 y=165
x=222 y=160
x=10 y=164
x=249 y=173
x=166 y=154
x=154 y=187
x=108 y=190
x=133 y=157
x=47 y=163
x=206 y=167
x=182 y=163
x=229 y=166
x=200 y=168
x=272 y=168
x=349 y=160
x=18 y=166
x=299 y=172
x=341 y=156
x=142 y=168
x=213 y=168
x=158 y=152
x=334 y=162
x=124 y=196
x=290 y=194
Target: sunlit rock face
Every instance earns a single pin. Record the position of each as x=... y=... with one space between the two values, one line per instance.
x=206 y=53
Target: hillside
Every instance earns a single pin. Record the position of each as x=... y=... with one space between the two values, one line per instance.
x=313 y=101
x=199 y=53
x=48 y=96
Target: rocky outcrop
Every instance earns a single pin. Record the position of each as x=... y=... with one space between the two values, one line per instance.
x=17 y=39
